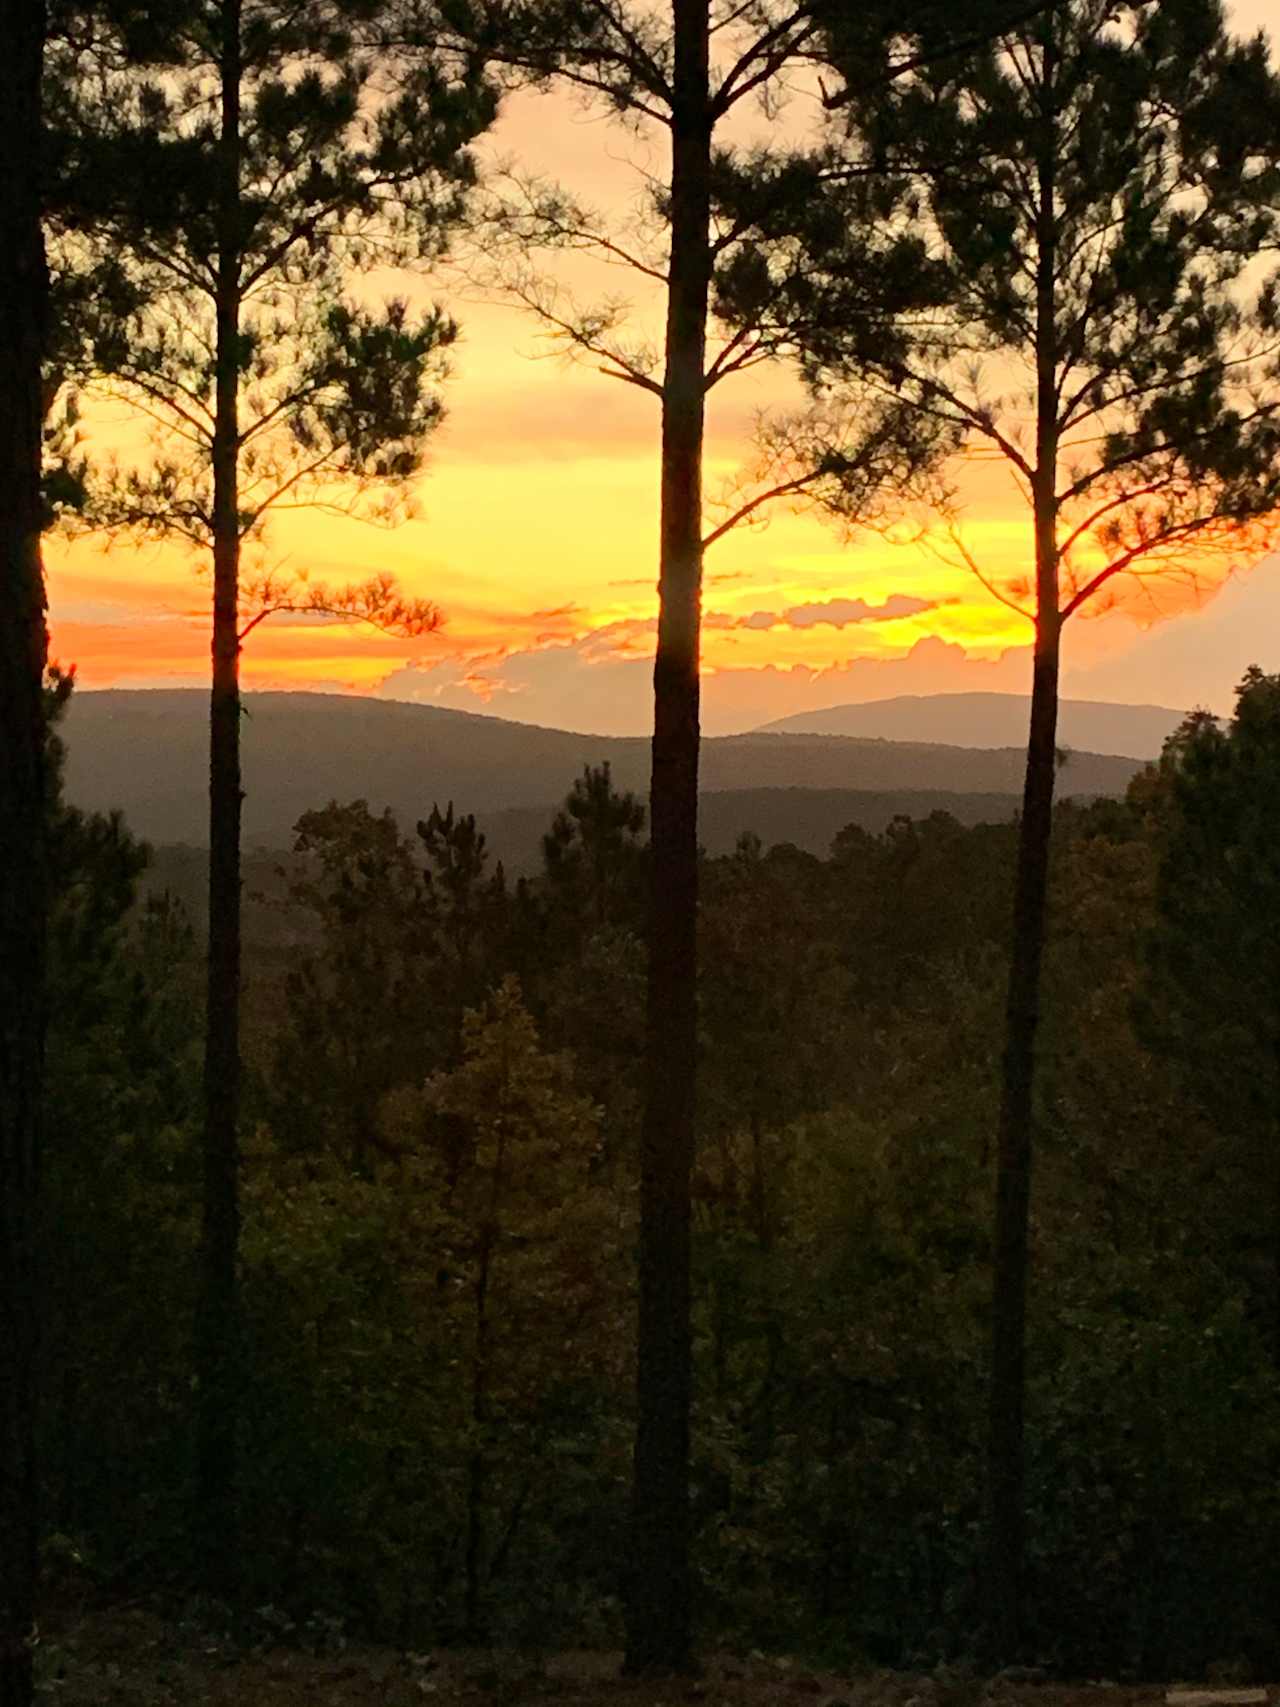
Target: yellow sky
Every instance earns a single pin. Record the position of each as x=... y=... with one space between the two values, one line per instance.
x=536 y=533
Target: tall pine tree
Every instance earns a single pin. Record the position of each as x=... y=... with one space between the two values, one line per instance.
x=1088 y=191
x=23 y=648
x=683 y=70
x=272 y=154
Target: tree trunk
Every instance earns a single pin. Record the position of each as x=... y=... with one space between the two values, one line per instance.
x=1006 y=1478
x=23 y=652
x=218 y=1327
x=658 y=1610
x=1013 y=1158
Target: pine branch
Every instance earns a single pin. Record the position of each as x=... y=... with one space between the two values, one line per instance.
x=377 y=603
x=769 y=53
x=784 y=489
x=1182 y=530
x=646 y=69
x=957 y=49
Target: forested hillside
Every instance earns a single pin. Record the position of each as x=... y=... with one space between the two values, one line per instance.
x=439 y=1172
x=142 y=752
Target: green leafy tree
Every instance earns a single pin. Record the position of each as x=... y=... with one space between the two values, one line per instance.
x=121 y=1111
x=263 y=160
x=773 y=1012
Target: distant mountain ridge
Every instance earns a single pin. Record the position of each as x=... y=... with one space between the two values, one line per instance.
x=991 y=720
x=145 y=752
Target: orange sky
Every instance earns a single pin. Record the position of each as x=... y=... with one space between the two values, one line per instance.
x=536 y=532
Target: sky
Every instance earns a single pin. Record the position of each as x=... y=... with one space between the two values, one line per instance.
x=536 y=533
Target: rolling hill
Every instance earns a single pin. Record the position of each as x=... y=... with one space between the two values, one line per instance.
x=144 y=751
x=991 y=720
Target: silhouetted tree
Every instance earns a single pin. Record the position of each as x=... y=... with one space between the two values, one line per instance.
x=685 y=70
x=1087 y=194
x=466 y=908
x=23 y=649
x=267 y=158
x=591 y=851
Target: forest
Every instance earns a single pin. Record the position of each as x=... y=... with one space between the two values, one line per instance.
x=872 y=1256
x=441 y=1121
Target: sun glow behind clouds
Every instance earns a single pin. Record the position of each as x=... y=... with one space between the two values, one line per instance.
x=537 y=533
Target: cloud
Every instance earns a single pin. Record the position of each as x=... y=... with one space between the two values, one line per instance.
x=602 y=683
x=738 y=699
x=555 y=612
x=832 y=613
x=717 y=578
x=585 y=685
x=1195 y=658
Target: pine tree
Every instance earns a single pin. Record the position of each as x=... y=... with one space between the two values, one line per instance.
x=1087 y=193
x=23 y=649
x=683 y=69
x=466 y=909
x=592 y=851
x=525 y=1232
x=360 y=998
x=271 y=154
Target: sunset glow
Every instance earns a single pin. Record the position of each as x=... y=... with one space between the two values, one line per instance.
x=536 y=533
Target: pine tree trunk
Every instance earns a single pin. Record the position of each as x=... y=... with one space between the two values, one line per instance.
x=218 y=1328
x=1013 y=1159
x=23 y=651
x=1006 y=1475
x=658 y=1611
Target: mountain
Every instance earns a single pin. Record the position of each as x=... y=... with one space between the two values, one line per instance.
x=145 y=751
x=991 y=720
